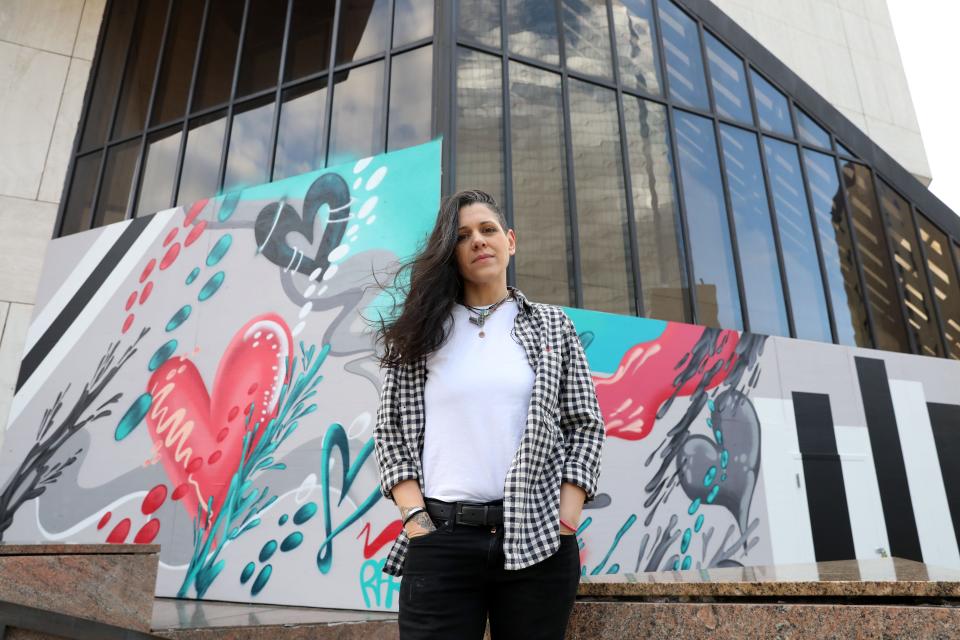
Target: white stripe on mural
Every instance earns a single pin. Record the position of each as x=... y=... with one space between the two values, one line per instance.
x=90 y=312
x=863 y=492
x=78 y=274
x=781 y=468
x=938 y=543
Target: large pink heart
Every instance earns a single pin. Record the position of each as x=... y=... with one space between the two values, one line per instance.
x=199 y=438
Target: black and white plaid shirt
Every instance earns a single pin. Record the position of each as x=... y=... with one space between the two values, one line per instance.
x=562 y=440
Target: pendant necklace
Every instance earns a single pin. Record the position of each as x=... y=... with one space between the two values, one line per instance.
x=479 y=315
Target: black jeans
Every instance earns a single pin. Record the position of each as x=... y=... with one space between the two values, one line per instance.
x=453 y=578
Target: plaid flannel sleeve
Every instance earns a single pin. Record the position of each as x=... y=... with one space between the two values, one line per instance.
x=391 y=451
x=580 y=416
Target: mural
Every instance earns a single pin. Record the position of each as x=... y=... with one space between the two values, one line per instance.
x=204 y=378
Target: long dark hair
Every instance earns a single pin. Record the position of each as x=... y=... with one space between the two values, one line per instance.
x=434 y=286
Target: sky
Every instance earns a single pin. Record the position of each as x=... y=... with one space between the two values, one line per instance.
x=928 y=36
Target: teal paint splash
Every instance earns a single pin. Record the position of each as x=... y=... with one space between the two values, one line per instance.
x=724 y=458
x=709 y=476
x=687 y=561
x=193 y=276
x=268 y=550
x=211 y=286
x=698 y=524
x=179 y=317
x=693 y=506
x=247 y=572
x=292 y=541
x=262 y=578
x=133 y=416
x=305 y=512
x=613 y=335
x=162 y=354
x=283 y=520
x=685 y=542
x=713 y=494
x=616 y=540
x=719 y=436
x=219 y=249
x=229 y=205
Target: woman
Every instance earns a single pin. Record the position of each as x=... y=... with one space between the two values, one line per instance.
x=488 y=439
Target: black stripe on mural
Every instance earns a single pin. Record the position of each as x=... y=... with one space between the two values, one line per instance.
x=945 y=420
x=823 y=475
x=80 y=299
x=888 y=459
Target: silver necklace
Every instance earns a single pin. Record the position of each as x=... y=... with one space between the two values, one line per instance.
x=479 y=315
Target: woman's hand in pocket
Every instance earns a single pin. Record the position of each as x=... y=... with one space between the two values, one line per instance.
x=419 y=525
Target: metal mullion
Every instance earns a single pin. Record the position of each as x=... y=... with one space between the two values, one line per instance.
x=951 y=249
x=448 y=179
x=675 y=157
x=275 y=127
x=897 y=280
x=627 y=175
x=507 y=140
x=416 y=44
x=141 y=159
x=110 y=122
x=228 y=131
x=821 y=262
x=568 y=149
x=924 y=263
x=201 y=37
x=328 y=103
x=734 y=241
x=851 y=229
x=82 y=123
x=353 y=64
x=387 y=62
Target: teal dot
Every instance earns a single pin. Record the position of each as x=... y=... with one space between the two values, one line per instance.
x=723 y=478
x=283 y=520
x=698 y=524
x=219 y=249
x=292 y=541
x=676 y=564
x=711 y=405
x=179 y=317
x=162 y=355
x=211 y=286
x=261 y=580
x=710 y=423
x=193 y=275
x=247 y=572
x=709 y=476
x=133 y=417
x=687 y=561
x=685 y=542
x=694 y=506
x=713 y=494
x=268 y=550
x=305 y=512
x=724 y=458
x=719 y=436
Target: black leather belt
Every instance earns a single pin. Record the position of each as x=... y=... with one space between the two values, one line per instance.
x=469 y=513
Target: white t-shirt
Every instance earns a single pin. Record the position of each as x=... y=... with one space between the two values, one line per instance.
x=476 y=400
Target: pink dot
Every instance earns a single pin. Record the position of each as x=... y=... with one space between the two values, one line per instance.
x=103 y=521
x=194 y=465
x=223 y=434
x=180 y=491
x=127 y=323
x=130 y=301
x=154 y=499
x=233 y=413
x=214 y=457
x=147 y=270
x=195 y=233
x=147 y=532
x=252 y=388
x=119 y=533
x=170 y=236
x=170 y=256
x=146 y=292
x=194 y=212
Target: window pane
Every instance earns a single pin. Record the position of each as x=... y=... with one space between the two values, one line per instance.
x=201 y=161
x=729 y=83
x=636 y=35
x=681 y=46
x=117 y=178
x=412 y=20
x=363 y=31
x=532 y=29
x=248 y=161
x=944 y=279
x=76 y=213
x=308 y=46
x=659 y=240
x=109 y=69
x=173 y=86
x=844 y=151
x=356 y=128
x=300 y=141
x=411 y=97
x=479 y=123
x=605 y=271
x=718 y=302
x=751 y=214
x=543 y=263
x=772 y=108
x=138 y=79
x=908 y=265
x=807 y=300
x=872 y=249
x=586 y=35
x=479 y=20
x=159 y=169
x=849 y=310
x=812 y=133
x=215 y=73
x=262 y=40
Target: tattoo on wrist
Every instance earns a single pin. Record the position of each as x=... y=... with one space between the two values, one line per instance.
x=423 y=521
